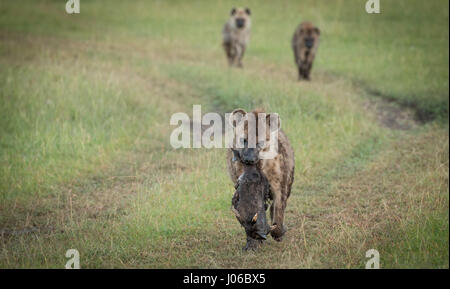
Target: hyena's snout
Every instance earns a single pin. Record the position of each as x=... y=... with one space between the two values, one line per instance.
x=309 y=42
x=240 y=22
x=250 y=156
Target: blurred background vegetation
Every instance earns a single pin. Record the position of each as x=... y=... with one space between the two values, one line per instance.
x=85 y=159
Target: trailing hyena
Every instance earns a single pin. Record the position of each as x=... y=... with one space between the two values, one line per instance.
x=236 y=35
x=278 y=170
x=305 y=43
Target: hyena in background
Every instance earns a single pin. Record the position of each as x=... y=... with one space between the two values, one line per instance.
x=305 y=43
x=236 y=35
x=278 y=170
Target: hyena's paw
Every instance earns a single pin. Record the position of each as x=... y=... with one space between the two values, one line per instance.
x=277 y=232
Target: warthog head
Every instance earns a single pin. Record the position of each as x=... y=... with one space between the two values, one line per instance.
x=249 y=205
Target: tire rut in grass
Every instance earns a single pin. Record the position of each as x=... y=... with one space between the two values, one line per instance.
x=392 y=115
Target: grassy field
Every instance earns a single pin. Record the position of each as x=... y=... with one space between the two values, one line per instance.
x=85 y=159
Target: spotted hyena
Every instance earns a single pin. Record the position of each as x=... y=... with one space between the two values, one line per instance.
x=305 y=43
x=236 y=35
x=278 y=170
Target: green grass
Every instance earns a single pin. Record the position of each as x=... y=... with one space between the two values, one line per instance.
x=420 y=245
x=85 y=159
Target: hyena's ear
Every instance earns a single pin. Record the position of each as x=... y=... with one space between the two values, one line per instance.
x=275 y=119
x=317 y=30
x=247 y=10
x=237 y=116
x=233 y=11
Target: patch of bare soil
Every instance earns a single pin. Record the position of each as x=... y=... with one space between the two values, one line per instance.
x=392 y=115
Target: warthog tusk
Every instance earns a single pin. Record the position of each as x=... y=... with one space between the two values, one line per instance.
x=255 y=217
x=235 y=212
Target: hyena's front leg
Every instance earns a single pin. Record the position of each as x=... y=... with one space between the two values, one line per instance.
x=232 y=56
x=238 y=55
x=241 y=55
x=230 y=51
x=277 y=213
x=308 y=71
x=300 y=72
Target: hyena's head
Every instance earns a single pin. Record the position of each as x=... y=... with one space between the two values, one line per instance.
x=256 y=135
x=310 y=34
x=240 y=18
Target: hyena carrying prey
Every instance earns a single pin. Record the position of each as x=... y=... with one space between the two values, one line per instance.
x=278 y=170
x=305 y=43
x=236 y=34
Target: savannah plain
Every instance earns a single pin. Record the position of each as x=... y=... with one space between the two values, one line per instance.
x=85 y=158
